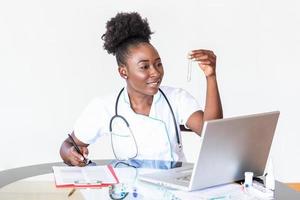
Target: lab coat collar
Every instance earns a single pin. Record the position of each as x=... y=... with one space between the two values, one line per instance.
x=126 y=96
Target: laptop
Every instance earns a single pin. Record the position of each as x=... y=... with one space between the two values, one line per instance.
x=229 y=148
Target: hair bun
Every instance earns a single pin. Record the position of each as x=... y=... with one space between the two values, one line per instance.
x=122 y=27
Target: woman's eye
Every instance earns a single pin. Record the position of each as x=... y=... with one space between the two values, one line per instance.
x=144 y=66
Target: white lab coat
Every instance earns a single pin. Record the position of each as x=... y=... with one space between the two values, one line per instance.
x=155 y=134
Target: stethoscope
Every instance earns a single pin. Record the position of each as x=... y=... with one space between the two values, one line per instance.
x=127 y=124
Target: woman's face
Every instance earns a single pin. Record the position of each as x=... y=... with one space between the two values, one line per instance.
x=144 y=69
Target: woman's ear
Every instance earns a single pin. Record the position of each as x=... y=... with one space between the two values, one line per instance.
x=123 y=71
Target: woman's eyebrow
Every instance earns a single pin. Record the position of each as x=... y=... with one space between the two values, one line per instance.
x=145 y=60
x=140 y=61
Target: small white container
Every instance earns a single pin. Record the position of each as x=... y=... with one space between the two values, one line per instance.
x=248 y=179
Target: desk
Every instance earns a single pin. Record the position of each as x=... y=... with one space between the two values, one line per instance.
x=36 y=183
x=19 y=183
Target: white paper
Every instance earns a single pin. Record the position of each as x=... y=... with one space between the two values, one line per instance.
x=82 y=175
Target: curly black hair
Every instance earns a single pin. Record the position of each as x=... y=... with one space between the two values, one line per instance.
x=125 y=30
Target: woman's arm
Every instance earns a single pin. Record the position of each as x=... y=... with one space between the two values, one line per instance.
x=68 y=153
x=213 y=108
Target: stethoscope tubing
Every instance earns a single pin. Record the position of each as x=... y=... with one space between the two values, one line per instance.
x=127 y=123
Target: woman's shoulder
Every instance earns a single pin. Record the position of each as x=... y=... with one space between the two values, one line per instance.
x=173 y=91
x=103 y=100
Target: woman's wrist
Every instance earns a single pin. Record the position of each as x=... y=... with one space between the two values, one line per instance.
x=211 y=77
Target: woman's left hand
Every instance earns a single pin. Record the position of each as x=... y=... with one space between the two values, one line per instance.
x=206 y=60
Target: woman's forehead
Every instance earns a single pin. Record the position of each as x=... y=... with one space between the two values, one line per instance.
x=143 y=51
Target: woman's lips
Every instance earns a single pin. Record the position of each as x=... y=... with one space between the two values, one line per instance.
x=153 y=83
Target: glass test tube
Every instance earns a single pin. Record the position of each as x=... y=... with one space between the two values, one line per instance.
x=189 y=70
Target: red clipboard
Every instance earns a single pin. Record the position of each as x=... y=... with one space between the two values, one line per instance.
x=61 y=176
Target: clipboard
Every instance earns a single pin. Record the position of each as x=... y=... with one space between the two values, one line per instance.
x=84 y=177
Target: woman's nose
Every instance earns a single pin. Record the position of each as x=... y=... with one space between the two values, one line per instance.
x=154 y=71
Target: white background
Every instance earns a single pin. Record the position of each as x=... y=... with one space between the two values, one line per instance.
x=52 y=64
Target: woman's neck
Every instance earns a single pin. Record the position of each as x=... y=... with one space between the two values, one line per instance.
x=140 y=103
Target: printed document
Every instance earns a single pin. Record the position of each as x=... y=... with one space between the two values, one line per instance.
x=89 y=176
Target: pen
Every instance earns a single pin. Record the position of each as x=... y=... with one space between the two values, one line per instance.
x=71 y=192
x=87 y=161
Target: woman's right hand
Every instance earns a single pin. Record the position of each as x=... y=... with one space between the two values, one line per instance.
x=74 y=158
x=69 y=154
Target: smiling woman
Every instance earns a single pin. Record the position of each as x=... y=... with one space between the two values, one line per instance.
x=143 y=72
x=143 y=118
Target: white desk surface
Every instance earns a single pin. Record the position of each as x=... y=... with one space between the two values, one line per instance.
x=42 y=187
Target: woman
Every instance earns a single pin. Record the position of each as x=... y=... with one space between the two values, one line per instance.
x=153 y=113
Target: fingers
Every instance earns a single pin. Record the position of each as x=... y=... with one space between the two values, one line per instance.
x=202 y=52
x=75 y=158
x=85 y=151
x=206 y=60
x=203 y=55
